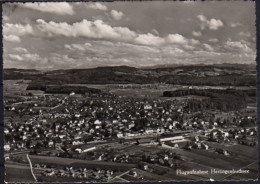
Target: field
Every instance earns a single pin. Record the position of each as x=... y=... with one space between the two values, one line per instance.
x=151 y=90
x=64 y=162
x=17 y=171
x=201 y=159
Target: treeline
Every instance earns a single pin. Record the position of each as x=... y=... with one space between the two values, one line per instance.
x=210 y=92
x=222 y=103
x=223 y=80
x=69 y=89
x=36 y=86
x=219 y=99
x=18 y=74
x=61 y=89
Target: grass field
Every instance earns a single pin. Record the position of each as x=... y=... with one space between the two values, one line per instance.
x=67 y=162
x=205 y=160
x=18 y=173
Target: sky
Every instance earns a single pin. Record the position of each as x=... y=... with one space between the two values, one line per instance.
x=50 y=36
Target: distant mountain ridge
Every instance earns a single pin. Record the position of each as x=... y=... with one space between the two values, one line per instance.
x=219 y=74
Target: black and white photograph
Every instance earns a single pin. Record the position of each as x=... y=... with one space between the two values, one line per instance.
x=129 y=91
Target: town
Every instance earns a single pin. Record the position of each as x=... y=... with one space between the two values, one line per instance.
x=107 y=137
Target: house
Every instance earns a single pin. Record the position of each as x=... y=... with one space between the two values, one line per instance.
x=120 y=135
x=7 y=147
x=50 y=143
x=149 y=131
x=89 y=149
x=6 y=131
x=175 y=138
x=72 y=93
x=97 y=122
x=79 y=150
x=77 y=142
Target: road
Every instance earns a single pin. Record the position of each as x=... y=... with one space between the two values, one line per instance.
x=58 y=105
x=31 y=167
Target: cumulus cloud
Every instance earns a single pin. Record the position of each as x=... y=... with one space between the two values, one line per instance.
x=208 y=47
x=26 y=57
x=188 y=47
x=17 y=29
x=100 y=30
x=213 y=40
x=196 y=33
x=245 y=34
x=15 y=57
x=5 y=18
x=117 y=15
x=12 y=38
x=78 y=47
x=20 y=50
x=96 y=6
x=235 y=24
x=213 y=24
x=194 y=42
x=171 y=39
x=60 y=8
x=155 y=32
x=85 y=28
x=149 y=39
x=176 y=38
x=25 y=60
x=59 y=59
x=237 y=46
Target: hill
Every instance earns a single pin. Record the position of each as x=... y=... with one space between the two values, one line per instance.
x=224 y=74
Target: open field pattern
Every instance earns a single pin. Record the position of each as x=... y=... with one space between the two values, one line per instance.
x=67 y=162
x=18 y=173
x=250 y=154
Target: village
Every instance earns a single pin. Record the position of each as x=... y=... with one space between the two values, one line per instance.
x=104 y=127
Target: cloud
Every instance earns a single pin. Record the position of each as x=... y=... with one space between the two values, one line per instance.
x=20 y=50
x=213 y=40
x=149 y=39
x=25 y=57
x=12 y=38
x=155 y=32
x=17 y=29
x=96 y=6
x=60 y=59
x=89 y=29
x=176 y=38
x=194 y=42
x=213 y=24
x=78 y=47
x=15 y=57
x=100 y=30
x=237 y=46
x=117 y=15
x=246 y=34
x=5 y=18
x=60 y=8
x=202 y=18
x=235 y=24
x=25 y=60
x=171 y=39
x=196 y=33
x=208 y=47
